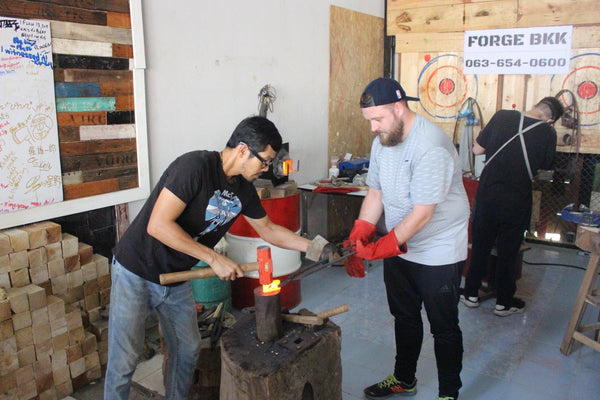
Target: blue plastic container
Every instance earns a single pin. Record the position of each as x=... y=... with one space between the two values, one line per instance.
x=356 y=163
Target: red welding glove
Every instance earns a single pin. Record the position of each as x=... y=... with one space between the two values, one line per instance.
x=355 y=266
x=361 y=231
x=385 y=247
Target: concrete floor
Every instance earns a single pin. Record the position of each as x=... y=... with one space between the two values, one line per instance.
x=516 y=357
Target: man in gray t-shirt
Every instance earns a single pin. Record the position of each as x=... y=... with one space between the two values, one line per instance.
x=415 y=178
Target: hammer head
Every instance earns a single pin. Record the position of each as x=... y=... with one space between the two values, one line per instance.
x=265 y=265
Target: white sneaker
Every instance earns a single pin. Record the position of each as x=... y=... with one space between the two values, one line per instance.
x=471 y=302
x=517 y=307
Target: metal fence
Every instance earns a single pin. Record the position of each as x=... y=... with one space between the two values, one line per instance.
x=573 y=182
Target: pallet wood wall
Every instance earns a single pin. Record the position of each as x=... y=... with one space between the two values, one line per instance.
x=429 y=41
x=93 y=62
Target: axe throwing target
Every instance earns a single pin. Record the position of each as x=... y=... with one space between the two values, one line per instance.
x=583 y=81
x=443 y=87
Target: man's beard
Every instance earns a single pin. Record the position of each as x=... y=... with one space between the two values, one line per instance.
x=394 y=136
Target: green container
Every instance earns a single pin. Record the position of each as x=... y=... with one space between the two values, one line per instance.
x=211 y=291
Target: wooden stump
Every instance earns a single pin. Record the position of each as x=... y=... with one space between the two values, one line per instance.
x=268 y=315
x=302 y=365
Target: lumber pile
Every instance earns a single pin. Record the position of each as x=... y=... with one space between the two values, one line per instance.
x=53 y=290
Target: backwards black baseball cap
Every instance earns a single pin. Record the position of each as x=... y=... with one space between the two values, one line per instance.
x=383 y=91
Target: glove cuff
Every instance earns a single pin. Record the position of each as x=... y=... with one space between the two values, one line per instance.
x=391 y=238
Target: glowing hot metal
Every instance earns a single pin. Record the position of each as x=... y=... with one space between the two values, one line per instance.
x=272 y=288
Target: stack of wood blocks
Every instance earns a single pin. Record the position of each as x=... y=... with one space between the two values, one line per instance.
x=53 y=339
x=266 y=189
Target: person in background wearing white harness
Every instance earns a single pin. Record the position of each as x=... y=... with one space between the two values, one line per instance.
x=516 y=146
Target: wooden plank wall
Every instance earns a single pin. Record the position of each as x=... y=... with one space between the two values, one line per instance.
x=93 y=60
x=356 y=58
x=429 y=40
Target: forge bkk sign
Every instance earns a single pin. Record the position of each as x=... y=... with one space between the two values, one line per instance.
x=543 y=50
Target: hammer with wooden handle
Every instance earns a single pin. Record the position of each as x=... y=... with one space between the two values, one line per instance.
x=199 y=273
x=318 y=319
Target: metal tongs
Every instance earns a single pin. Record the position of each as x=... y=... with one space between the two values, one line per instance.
x=319 y=265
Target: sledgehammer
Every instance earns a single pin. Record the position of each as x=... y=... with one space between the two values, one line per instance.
x=199 y=273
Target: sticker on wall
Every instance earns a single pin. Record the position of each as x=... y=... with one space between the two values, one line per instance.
x=583 y=80
x=443 y=87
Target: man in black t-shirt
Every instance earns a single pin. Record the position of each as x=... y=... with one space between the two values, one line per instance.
x=502 y=207
x=196 y=200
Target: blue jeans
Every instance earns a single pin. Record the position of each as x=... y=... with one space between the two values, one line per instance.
x=132 y=300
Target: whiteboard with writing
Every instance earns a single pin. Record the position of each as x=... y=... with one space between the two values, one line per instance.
x=30 y=173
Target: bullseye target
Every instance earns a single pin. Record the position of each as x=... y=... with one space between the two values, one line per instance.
x=443 y=87
x=583 y=81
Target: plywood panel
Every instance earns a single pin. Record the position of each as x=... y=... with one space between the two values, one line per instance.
x=356 y=58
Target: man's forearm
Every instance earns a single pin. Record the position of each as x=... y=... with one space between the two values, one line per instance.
x=372 y=207
x=413 y=222
x=282 y=237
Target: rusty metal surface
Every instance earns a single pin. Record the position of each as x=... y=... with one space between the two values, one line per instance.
x=263 y=358
x=298 y=339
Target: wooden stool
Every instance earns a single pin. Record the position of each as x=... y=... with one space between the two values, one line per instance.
x=588 y=239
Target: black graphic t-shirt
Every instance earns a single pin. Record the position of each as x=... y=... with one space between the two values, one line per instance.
x=212 y=205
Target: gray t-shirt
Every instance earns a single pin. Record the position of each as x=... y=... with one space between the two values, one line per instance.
x=424 y=169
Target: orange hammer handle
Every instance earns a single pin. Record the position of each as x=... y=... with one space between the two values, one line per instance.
x=199 y=273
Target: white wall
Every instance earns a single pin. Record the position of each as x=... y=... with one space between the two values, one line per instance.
x=206 y=62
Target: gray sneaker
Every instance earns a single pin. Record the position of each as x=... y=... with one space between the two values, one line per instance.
x=517 y=306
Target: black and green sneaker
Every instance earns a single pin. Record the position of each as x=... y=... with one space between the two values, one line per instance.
x=389 y=387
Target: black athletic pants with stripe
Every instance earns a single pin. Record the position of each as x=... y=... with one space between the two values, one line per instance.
x=409 y=286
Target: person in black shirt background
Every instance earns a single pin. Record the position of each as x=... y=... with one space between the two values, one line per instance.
x=516 y=146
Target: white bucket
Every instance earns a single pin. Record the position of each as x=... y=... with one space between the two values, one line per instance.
x=242 y=249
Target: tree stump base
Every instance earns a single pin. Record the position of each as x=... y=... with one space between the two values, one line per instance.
x=304 y=364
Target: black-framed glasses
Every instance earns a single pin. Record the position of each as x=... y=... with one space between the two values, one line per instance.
x=264 y=162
